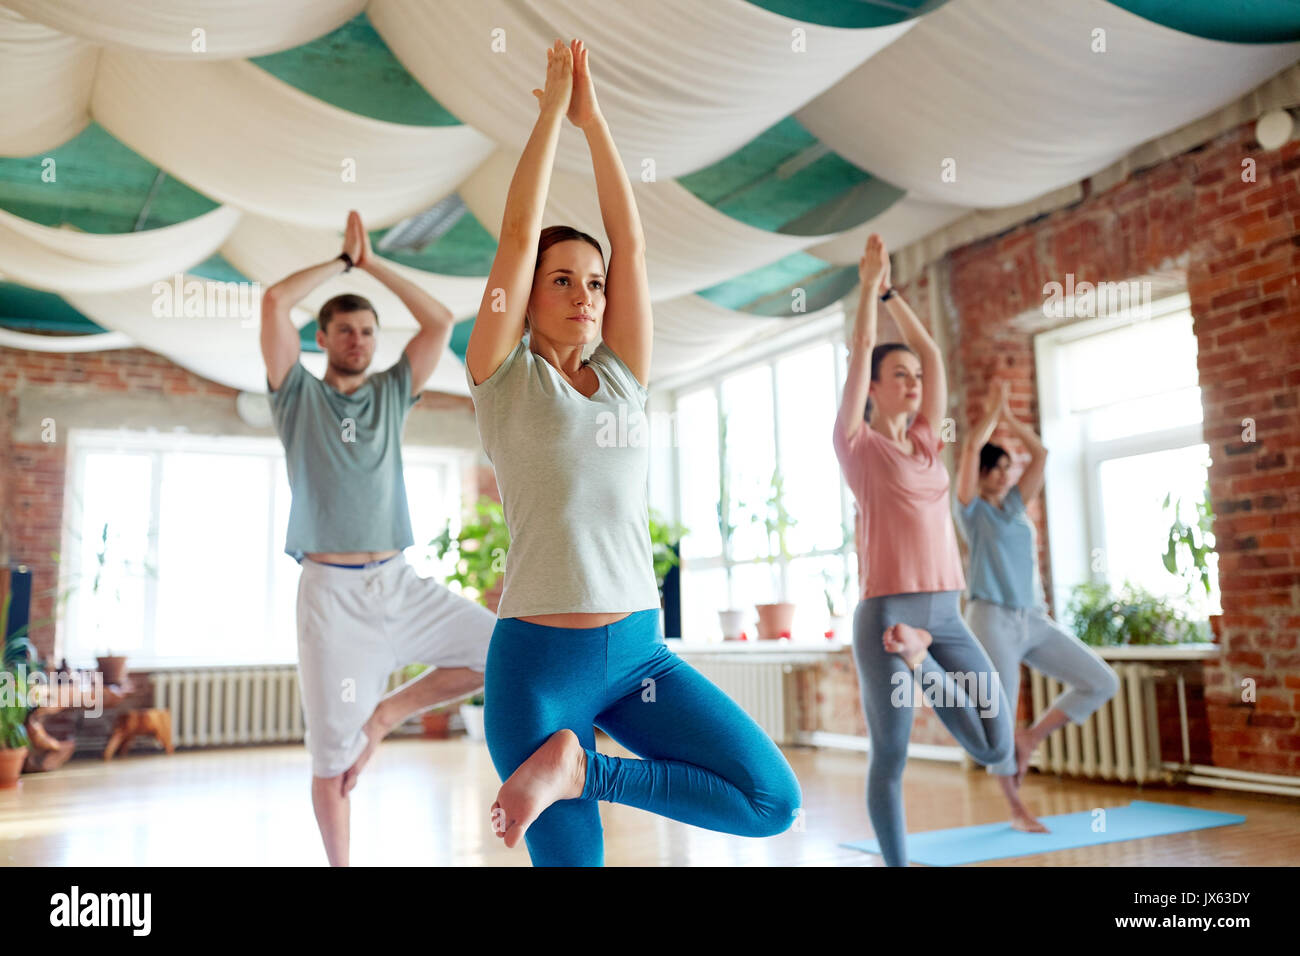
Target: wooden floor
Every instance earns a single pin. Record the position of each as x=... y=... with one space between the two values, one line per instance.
x=423 y=802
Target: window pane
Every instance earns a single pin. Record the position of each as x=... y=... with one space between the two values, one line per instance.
x=1136 y=526
x=1152 y=413
x=750 y=458
x=809 y=472
x=704 y=594
x=111 y=577
x=1116 y=366
x=751 y=584
x=433 y=496
x=213 y=594
x=697 y=461
x=809 y=581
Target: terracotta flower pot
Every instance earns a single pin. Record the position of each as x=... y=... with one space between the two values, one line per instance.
x=11 y=765
x=775 y=620
x=437 y=724
x=113 y=669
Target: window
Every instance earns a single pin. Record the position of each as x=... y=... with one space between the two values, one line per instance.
x=758 y=437
x=174 y=546
x=1121 y=416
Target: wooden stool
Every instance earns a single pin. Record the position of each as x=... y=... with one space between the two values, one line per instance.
x=153 y=723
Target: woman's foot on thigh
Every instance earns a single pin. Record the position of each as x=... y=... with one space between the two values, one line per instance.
x=557 y=770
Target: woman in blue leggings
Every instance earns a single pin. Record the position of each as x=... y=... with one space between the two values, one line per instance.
x=908 y=627
x=1007 y=610
x=577 y=642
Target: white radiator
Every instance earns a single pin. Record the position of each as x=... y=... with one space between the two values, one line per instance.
x=763 y=690
x=227 y=706
x=1121 y=741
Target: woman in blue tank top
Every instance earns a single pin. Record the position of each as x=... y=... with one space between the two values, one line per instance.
x=1006 y=610
x=577 y=644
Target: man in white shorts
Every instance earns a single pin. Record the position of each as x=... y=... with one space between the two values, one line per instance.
x=363 y=612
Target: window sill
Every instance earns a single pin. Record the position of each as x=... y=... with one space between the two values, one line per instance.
x=1160 y=652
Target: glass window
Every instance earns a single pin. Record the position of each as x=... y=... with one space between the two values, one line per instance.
x=697 y=466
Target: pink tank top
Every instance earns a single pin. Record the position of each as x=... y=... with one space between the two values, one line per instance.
x=904 y=516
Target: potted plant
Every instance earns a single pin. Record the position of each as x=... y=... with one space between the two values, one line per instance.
x=480 y=550
x=664 y=538
x=776 y=620
x=13 y=706
x=1130 y=616
x=841 y=622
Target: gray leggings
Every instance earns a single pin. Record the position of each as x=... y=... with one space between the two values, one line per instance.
x=957 y=679
x=1012 y=635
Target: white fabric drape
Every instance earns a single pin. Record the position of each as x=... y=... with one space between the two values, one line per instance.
x=227 y=349
x=241 y=136
x=904 y=222
x=1012 y=92
x=66 y=260
x=266 y=250
x=231 y=28
x=680 y=82
x=689 y=244
x=45 y=79
x=64 y=344
x=691 y=332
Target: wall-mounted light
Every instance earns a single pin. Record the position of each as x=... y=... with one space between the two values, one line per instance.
x=1275 y=128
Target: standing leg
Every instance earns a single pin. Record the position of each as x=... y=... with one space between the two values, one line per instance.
x=543 y=683
x=886 y=686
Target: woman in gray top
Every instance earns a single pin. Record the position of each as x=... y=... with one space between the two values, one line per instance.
x=577 y=642
x=1006 y=610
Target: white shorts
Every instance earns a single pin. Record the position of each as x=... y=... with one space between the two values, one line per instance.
x=358 y=625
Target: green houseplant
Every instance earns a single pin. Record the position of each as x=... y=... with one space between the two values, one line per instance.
x=1130 y=616
x=776 y=620
x=1190 y=545
x=14 y=744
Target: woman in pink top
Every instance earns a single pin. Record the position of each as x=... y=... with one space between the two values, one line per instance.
x=908 y=624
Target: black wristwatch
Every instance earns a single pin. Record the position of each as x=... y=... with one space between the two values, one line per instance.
x=347 y=259
x=889 y=294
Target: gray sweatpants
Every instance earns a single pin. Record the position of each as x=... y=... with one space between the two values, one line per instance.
x=1013 y=635
x=957 y=679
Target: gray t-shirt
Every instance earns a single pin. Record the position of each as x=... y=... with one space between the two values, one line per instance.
x=344 y=457
x=572 y=472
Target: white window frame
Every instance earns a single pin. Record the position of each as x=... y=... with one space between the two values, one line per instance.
x=819 y=330
x=1073 y=468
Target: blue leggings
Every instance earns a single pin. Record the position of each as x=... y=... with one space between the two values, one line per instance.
x=705 y=761
x=956 y=677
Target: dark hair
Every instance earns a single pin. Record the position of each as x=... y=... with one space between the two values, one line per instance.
x=347 y=302
x=556 y=234
x=552 y=235
x=990 y=455
x=877 y=356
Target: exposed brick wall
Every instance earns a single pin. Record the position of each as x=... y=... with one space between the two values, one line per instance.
x=1240 y=243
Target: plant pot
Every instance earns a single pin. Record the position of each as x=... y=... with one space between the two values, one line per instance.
x=11 y=766
x=732 y=623
x=775 y=620
x=113 y=669
x=472 y=714
x=436 y=723
x=841 y=628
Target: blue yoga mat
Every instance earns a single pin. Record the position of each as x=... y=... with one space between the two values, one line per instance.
x=997 y=841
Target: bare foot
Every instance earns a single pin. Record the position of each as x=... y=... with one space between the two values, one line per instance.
x=557 y=770
x=909 y=643
x=1024 y=821
x=1024 y=750
x=375 y=729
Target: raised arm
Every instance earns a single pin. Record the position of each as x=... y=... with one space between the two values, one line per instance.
x=968 y=468
x=499 y=324
x=934 y=391
x=873 y=271
x=628 y=327
x=1031 y=480
x=435 y=319
x=280 y=342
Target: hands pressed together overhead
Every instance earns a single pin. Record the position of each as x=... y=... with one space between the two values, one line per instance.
x=569 y=88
